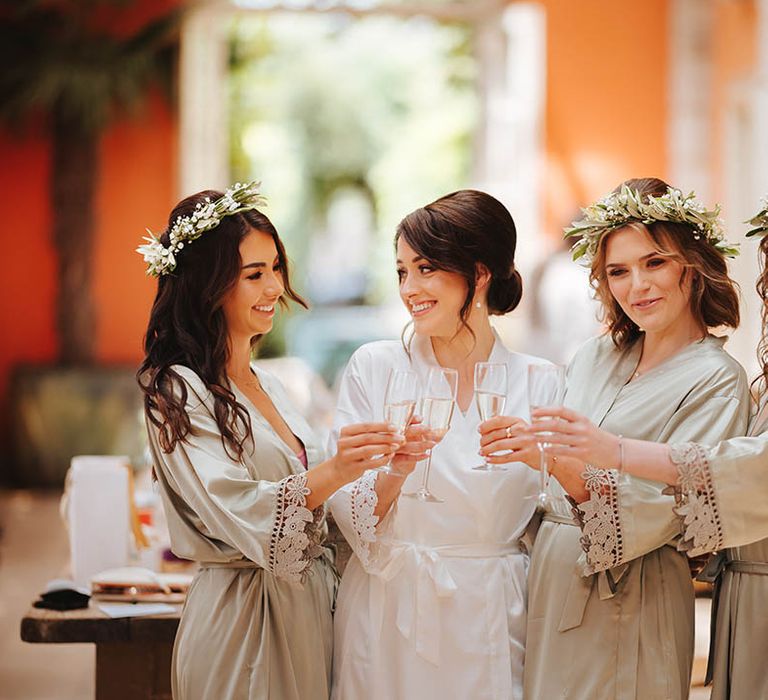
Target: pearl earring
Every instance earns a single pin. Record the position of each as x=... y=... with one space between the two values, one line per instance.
x=479 y=305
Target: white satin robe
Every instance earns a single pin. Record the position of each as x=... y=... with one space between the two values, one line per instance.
x=433 y=602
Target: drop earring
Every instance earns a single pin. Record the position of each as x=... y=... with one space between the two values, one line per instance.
x=479 y=304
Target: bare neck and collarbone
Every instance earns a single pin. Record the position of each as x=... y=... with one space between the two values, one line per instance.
x=660 y=346
x=463 y=350
x=239 y=371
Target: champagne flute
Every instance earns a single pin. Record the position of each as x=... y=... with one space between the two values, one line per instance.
x=491 y=397
x=399 y=404
x=436 y=413
x=546 y=387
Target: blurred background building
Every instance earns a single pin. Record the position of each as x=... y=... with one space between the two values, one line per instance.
x=351 y=113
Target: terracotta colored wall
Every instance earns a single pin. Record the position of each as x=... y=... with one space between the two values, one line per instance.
x=27 y=285
x=606 y=111
x=136 y=189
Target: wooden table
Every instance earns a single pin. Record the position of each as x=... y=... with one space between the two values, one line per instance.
x=133 y=654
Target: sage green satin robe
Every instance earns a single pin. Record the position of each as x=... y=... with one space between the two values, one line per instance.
x=257 y=621
x=610 y=613
x=725 y=504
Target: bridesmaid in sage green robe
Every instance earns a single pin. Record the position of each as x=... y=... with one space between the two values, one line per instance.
x=722 y=497
x=610 y=613
x=263 y=597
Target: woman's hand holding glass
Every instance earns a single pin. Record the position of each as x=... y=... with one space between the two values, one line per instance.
x=364 y=446
x=505 y=439
x=418 y=443
x=571 y=435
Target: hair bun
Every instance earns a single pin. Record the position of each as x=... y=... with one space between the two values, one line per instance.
x=504 y=294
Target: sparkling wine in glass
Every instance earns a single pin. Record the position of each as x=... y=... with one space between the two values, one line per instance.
x=491 y=397
x=400 y=399
x=436 y=413
x=546 y=388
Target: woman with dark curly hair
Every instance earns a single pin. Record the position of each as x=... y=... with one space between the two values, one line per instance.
x=242 y=476
x=611 y=602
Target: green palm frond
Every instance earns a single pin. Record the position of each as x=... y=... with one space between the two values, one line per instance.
x=52 y=60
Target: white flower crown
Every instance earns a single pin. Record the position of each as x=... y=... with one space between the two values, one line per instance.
x=161 y=260
x=627 y=205
x=759 y=221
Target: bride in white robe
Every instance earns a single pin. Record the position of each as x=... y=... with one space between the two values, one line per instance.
x=432 y=604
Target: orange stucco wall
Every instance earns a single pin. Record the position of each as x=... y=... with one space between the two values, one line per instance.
x=137 y=184
x=606 y=110
x=138 y=188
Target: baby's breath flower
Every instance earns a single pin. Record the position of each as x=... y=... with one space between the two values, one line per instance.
x=207 y=215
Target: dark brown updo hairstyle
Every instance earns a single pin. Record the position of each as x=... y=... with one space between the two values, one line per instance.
x=714 y=298
x=187 y=325
x=461 y=230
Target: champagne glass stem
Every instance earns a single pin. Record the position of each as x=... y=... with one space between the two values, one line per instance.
x=425 y=477
x=542 y=475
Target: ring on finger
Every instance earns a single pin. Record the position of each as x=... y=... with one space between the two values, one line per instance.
x=508 y=431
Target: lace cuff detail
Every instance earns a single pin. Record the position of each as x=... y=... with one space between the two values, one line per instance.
x=363 y=502
x=599 y=520
x=695 y=501
x=297 y=532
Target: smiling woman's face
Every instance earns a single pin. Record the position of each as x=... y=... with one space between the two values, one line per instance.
x=647 y=284
x=433 y=297
x=250 y=307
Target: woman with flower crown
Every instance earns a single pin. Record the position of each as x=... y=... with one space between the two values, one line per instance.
x=720 y=501
x=610 y=597
x=432 y=605
x=242 y=477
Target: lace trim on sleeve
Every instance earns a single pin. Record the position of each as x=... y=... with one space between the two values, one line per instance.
x=598 y=518
x=297 y=533
x=695 y=500
x=363 y=502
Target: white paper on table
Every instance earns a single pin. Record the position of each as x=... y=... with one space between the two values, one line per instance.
x=136 y=609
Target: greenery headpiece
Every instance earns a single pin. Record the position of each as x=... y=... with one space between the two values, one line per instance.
x=759 y=221
x=627 y=206
x=161 y=260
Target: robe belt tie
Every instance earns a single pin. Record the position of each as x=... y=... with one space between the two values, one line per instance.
x=237 y=564
x=738 y=566
x=581 y=586
x=559 y=519
x=418 y=610
x=721 y=561
x=712 y=573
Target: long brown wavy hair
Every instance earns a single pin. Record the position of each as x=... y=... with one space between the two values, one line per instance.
x=187 y=326
x=714 y=298
x=761 y=381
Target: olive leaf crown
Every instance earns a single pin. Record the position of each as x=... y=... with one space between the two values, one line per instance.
x=759 y=222
x=162 y=260
x=628 y=205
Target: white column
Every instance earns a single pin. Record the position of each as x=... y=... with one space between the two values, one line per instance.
x=511 y=52
x=689 y=133
x=203 y=121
